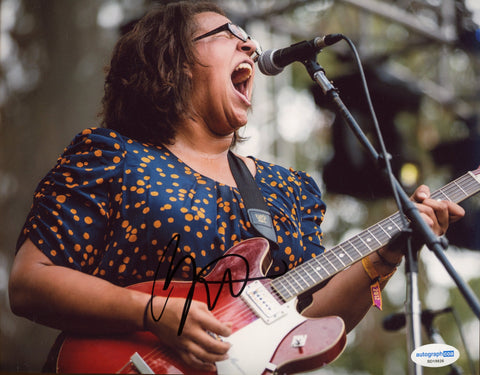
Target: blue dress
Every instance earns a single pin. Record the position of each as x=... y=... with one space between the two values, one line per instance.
x=111 y=206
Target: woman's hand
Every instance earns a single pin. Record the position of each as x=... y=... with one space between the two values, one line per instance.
x=437 y=214
x=199 y=344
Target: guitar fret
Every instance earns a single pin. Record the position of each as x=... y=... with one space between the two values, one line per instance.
x=375 y=237
x=355 y=247
x=472 y=186
x=463 y=191
x=289 y=290
x=442 y=193
x=294 y=280
x=386 y=232
x=295 y=275
x=320 y=266
x=379 y=234
x=328 y=265
x=345 y=252
x=362 y=247
x=327 y=254
x=351 y=250
x=308 y=264
x=365 y=242
x=338 y=257
x=447 y=192
x=337 y=263
x=397 y=217
x=303 y=279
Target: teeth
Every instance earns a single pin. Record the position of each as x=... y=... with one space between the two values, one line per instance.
x=244 y=66
x=242 y=72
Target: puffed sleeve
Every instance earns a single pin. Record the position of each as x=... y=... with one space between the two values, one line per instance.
x=312 y=211
x=72 y=205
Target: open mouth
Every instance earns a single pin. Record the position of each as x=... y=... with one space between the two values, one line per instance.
x=240 y=77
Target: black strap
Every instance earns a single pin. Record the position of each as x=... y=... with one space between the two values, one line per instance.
x=257 y=209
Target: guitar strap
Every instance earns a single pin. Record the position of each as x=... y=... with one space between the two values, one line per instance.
x=257 y=210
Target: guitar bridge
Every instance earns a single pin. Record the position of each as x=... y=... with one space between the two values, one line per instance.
x=262 y=303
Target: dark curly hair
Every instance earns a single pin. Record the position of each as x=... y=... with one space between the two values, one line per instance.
x=147 y=86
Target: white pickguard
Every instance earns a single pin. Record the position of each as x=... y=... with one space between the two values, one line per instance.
x=254 y=344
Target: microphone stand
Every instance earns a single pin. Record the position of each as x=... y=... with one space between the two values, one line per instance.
x=413 y=307
x=417 y=224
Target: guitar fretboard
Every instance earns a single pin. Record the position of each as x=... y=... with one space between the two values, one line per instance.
x=319 y=269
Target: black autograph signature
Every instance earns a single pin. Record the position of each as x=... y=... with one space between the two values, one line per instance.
x=198 y=277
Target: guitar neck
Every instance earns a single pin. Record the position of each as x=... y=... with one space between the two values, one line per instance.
x=319 y=269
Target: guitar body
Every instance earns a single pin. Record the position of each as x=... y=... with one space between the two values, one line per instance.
x=286 y=341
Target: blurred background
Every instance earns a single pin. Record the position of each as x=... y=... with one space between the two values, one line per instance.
x=422 y=64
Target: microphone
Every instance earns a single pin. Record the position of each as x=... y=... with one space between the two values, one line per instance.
x=272 y=62
x=394 y=322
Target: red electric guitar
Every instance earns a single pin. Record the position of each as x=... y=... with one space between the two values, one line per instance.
x=269 y=335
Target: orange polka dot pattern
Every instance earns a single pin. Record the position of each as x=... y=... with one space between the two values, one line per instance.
x=111 y=205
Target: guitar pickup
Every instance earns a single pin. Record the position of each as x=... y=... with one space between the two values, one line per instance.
x=262 y=303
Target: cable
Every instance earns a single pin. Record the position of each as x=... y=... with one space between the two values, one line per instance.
x=384 y=154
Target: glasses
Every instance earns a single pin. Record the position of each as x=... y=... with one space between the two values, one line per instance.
x=236 y=31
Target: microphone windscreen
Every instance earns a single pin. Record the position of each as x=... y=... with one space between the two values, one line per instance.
x=266 y=64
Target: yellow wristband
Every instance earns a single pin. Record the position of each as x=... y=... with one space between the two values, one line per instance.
x=372 y=272
x=375 y=290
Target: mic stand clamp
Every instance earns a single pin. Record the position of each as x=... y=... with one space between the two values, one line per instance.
x=416 y=224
